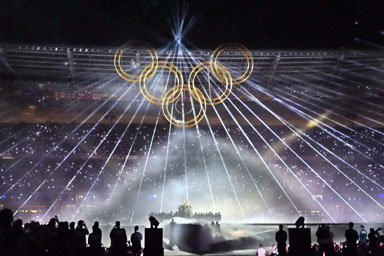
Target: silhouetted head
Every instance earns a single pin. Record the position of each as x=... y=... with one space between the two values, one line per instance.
x=80 y=223
x=64 y=224
x=27 y=227
x=361 y=226
x=136 y=228
x=281 y=227
x=96 y=224
x=372 y=230
x=34 y=226
x=117 y=224
x=261 y=245
x=6 y=218
x=350 y=224
x=52 y=222
x=72 y=225
x=18 y=224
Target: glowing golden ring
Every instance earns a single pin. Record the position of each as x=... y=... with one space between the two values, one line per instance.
x=245 y=52
x=223 y=71
x=147 y=71
x=117 y=60
x=182 y=123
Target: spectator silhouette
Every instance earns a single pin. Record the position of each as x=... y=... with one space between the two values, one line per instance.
x=72 y=226
x=72 y=231
x=52 y=234
x=281 y=239
x=324 y=240
x=351 y=237
x=17 y=232
x=373 y=241
x=80 y=238
x=6 y=217
x=65 y=239
x=118 y=240
x=94 y=240
x=33 y=241
x=136 y=238
x=17 y=228
x=330 y=245
x=363 y=235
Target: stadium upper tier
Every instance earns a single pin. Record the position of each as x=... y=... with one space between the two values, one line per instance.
x=61 y=61
x=344 y=85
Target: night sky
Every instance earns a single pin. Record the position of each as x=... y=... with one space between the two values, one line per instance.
x=292 y=24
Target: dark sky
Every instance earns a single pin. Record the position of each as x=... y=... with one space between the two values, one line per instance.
x=290 y=24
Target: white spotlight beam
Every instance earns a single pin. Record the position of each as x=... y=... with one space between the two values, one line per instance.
x=90 y=156
x=289 y=126
x=77 y=145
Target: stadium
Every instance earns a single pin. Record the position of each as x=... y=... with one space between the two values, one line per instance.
x=230 y=133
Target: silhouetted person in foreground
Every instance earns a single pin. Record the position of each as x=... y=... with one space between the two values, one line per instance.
x=363 y=235
x=6 y=239
x=136 y=238
x=118 y=240
x=80 y=238
x=351 y=237
x=52 y=234
x=65 y=239
x=72 y=226
x=94 y=239
x=373 y=241
x=324 y=240
x=281 y=239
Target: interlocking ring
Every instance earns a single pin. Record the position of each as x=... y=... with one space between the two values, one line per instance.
x=223 y=71
x=147 y=71
x=196 y=94
x=219 y=71
x=245 y=52
x=131 y=44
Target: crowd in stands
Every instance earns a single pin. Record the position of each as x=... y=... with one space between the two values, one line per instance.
x=22 y=172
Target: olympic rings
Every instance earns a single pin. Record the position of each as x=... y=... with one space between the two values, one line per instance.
x=195 y=94
x=246 y=53
x=117 y=60
x=223 y=72
x=219 y=71
x=147 y=71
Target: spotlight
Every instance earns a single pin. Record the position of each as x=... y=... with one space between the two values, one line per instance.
x=178 y=39
x=154 y=222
